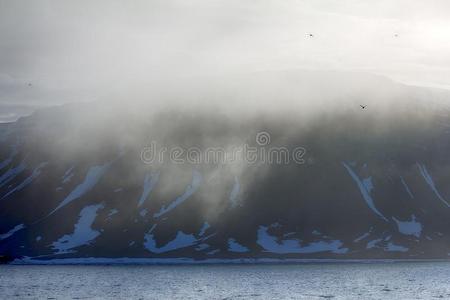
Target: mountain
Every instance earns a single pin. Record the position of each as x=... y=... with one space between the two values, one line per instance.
x=331 y=180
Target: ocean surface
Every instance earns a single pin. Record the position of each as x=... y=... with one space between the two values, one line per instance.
x=399 y=280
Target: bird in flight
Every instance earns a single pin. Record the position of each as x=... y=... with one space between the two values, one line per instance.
x=29 y=84
x=363 y=106
x=311 y=35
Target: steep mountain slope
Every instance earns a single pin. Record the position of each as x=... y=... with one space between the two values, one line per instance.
x=372 y=183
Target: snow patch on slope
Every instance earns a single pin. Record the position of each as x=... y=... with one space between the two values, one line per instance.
x=150 y=181
x=83 y=233
x=92 y=178
x=406 y=187
x=373 y=243
x=365 y=186
x=36 y=172
x=112 y=212
x=429 y=180
x=409 y=227
x=367 y=183
x=11 y=174
x=391 y=247
x=190 y=189
x=203 y=229
x=363 y=236
x=234 y=246
x=274 y=245
x=202 y=247
x=68 y=175
x=11 y=232
x=182 y=240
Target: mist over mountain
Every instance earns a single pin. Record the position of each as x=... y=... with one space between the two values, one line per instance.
x=369 y=180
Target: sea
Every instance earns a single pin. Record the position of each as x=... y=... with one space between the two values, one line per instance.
x=389 y=280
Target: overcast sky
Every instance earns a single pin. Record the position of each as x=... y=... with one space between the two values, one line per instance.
x=54 y=52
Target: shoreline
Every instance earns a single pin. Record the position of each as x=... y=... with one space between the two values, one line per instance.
x=212 y=261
